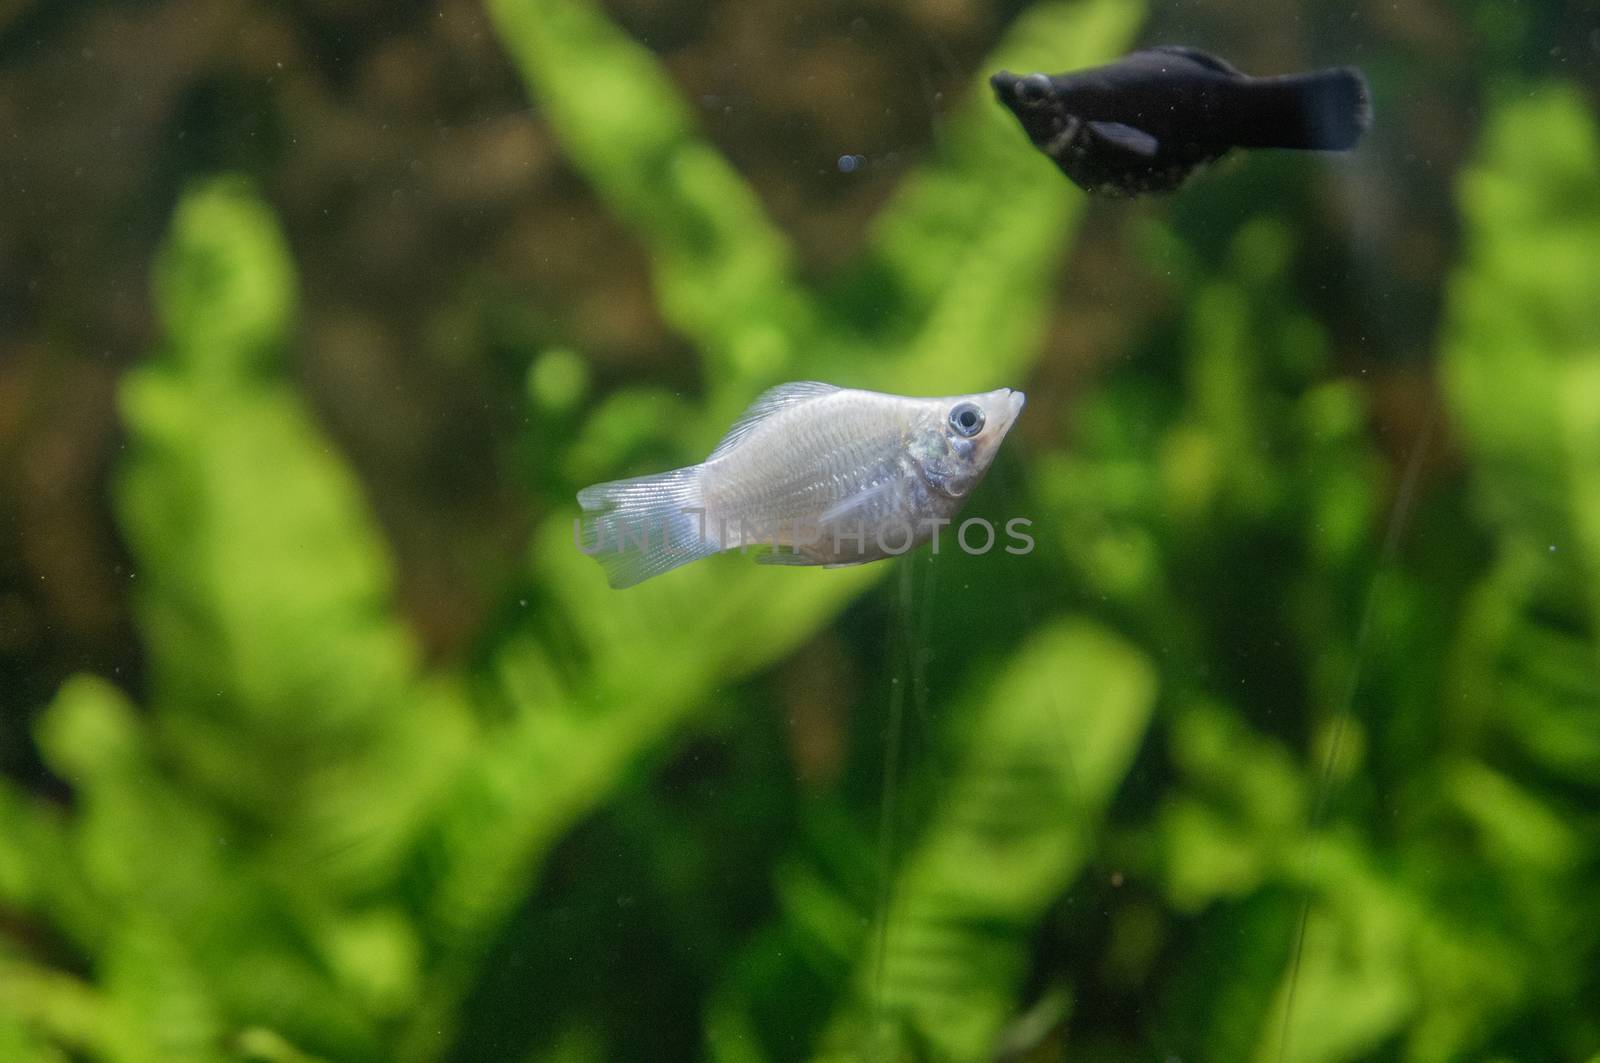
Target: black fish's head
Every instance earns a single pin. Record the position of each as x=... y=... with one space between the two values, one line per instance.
x=1038 y=103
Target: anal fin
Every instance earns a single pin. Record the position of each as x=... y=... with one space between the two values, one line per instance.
x=784 y=555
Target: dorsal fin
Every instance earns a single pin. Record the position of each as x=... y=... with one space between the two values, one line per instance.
x=769 y=402
x=1205 y=59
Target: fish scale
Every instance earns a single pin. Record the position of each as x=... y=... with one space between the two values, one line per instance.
x=822 y=462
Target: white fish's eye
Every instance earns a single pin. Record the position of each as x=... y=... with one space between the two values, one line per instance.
x=1034 y=88
x=967 y=419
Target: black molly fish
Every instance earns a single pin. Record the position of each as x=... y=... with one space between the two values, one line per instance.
x=1146 y=121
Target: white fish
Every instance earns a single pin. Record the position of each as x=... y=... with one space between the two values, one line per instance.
x=817 y=474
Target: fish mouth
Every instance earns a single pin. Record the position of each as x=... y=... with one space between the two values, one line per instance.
x=1008 y=403
x=1005 y=86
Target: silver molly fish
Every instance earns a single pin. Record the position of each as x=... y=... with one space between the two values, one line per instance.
x=811 y=474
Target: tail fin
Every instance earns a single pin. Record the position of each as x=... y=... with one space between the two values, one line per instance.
x=645 y=526
x=1327 y=110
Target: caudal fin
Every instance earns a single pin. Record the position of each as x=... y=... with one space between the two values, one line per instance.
x=1327 y=110
x=645 y=526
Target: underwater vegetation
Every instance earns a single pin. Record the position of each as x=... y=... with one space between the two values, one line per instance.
x=1279 y=745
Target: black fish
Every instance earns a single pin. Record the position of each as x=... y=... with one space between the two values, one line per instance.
x=1146 y=121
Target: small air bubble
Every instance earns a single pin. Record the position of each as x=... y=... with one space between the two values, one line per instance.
x=851 y=163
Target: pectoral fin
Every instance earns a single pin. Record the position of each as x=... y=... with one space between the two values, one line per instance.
x=857 y=509
x=1126 y=137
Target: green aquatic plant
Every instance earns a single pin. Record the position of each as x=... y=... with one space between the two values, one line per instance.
x=1383 y=943
x=308 y=843
x=1234 y=754
x=1038 y=763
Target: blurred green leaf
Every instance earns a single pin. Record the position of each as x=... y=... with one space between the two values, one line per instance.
x=1040 y=759
x=723 y=272
x=266 y=594
x=1362 y=824
x=650 y=657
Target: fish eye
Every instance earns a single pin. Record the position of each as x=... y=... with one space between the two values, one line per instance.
x=1034 y=88
x=967 y=419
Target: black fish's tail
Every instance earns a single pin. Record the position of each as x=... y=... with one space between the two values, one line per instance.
x=1327 y=110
